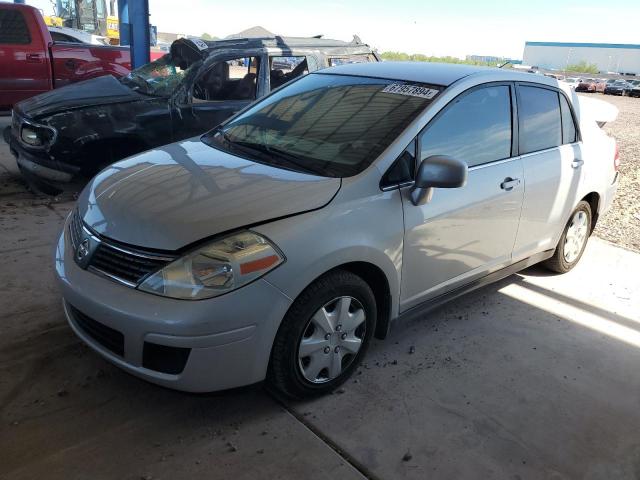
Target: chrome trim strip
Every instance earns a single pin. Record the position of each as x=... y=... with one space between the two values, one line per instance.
x=491 y=164
x=388 y=188
x=136 y=254
x=102 y=273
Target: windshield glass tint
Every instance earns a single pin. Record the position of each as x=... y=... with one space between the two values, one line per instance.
x=158 y=78
x=330 y=125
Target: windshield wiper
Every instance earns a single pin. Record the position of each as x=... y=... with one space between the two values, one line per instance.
x=274 y=153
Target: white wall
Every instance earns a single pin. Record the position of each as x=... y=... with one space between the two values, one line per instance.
x=607 y=59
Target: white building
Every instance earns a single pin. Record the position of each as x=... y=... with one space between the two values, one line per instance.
x=609 y=57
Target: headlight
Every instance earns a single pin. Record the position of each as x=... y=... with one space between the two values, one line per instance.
x=37 y=136
x=218 y=267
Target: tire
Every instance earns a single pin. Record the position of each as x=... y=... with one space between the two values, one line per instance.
x=293 y=374
x=567 y=253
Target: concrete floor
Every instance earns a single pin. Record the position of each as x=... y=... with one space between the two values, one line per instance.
x=534 y=377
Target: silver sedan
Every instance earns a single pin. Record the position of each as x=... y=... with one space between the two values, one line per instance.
x=278 y=244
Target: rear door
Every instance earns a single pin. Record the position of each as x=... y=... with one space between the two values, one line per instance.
x=24 y=56
x=550 y=148
x=465 y=233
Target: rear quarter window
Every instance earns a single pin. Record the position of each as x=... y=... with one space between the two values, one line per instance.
x=13 y=28
x=569 y=131
x=539 y=119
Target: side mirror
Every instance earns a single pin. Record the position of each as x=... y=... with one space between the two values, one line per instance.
x=437 y=171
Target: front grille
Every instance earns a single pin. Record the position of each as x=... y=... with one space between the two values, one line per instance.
x=108 y=337
x=16 y=121
x=119 y=262
x=123 y=264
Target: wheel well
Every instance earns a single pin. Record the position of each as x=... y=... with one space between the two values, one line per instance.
x=377 y=280
x=593 y=199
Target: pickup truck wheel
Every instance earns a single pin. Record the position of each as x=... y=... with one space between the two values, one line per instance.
x=573 y=240
x=323 y=336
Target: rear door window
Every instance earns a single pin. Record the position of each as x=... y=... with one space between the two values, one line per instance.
x=539 y=119
x=474 y=128
x=283 y=69
x=234 y=79
x=13 y=28
x=569 y=131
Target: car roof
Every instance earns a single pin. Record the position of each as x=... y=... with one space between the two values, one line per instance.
x=443 y=74
x=283 y=42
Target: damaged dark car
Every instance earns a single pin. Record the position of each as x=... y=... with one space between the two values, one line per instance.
x=73 y=132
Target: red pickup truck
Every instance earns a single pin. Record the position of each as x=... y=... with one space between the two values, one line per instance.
x=31 y=63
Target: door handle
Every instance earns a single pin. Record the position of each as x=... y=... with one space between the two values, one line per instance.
x=34 y=58
x=70 y=64
x=509 y=183
x=577 y=163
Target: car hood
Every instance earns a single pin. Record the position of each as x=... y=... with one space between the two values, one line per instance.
x=170 y=197
x=97 y=91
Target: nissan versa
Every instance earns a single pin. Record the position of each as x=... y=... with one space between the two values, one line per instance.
x=278 y=244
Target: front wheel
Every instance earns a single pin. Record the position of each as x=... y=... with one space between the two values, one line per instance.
x=573 y=240
x=323 y=336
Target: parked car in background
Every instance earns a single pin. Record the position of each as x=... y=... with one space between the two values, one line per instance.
x=586 y=85
x=635 y=88
x=618 y=87
x=77 y=131
x=601 y=84
x=278 y=244
x=572 y=82
x=32 y=63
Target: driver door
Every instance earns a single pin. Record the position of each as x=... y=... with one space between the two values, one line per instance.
x=464 y=233
x=221 y=88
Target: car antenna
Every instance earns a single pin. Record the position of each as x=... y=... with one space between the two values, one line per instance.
x=505 y=63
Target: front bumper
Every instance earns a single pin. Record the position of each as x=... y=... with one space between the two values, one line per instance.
x=229 y=338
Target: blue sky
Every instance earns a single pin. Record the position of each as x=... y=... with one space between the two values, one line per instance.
x=453 y=28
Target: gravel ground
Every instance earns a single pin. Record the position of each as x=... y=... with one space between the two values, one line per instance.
x=622 y=224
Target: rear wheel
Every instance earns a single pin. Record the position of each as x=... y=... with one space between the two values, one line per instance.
x=323 y=336
x=573 y=240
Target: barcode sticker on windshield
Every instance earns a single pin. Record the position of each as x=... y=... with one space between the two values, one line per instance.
x=411 y=90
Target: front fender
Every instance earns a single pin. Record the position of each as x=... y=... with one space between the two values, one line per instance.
x=368 y=230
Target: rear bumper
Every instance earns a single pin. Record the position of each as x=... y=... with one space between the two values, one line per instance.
x=609 y=195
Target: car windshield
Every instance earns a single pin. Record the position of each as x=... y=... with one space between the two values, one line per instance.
x=329 y=125
x=158 y=78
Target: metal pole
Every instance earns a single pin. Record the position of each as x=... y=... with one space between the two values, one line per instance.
x=140 y=32
x=123 y=22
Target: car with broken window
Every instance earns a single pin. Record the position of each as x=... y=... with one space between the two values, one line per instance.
x=278 y=244
x=75 y=132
